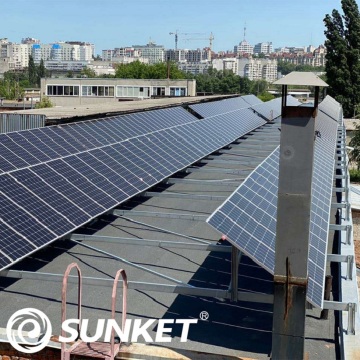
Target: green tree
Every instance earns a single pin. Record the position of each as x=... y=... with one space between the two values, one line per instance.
x=32 y=72
x=44 y=103
x=87 y=72
x=138 y=70
x=343 y=55
x=41 y=72
x=265 y=96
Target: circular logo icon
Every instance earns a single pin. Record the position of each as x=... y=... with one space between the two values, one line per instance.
x=204 y=315
x=38 y=335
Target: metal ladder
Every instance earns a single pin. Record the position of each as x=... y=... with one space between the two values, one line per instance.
x=100 y=350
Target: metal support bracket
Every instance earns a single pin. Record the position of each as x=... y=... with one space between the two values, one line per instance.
x=347 y=228
x=351 y=308
x=349 y=259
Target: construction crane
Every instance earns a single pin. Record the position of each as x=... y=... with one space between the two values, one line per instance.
x=176 y=33
x=210 y=38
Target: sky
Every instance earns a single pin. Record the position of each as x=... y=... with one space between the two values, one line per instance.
x=117 y=23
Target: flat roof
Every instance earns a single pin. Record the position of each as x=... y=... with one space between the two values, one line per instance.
x=109 y=108
x=234 y=328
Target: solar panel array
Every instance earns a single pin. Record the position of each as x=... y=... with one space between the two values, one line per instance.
x=55 y=179
x=330 y=107
x=248 y=217
x=251 y=99
x=270 y=110
x=220 y=107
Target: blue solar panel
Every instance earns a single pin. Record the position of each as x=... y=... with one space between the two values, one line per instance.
x=92 y=167
x=248 y=217
x=220 y=107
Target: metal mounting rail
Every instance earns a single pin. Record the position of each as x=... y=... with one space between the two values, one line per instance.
x=148 y=242
x=168 y=194
x=238 y=162
x=160 y=215
x=143 y=286
x=220 y=182
x=219 y=170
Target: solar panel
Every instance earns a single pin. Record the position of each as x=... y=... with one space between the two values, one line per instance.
x=80 y=171
x=270 y=110
x=19 y=150
x=248 y=216
x=330 y=107
x=220 y=107
x=251 y=99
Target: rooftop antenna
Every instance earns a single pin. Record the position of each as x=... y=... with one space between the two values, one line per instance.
x=245 y=31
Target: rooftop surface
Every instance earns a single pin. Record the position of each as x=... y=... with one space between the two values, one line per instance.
x=108 y=108
x=233 y=328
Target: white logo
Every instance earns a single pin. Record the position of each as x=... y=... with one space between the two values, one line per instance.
x=39 y=334
x=37 y=337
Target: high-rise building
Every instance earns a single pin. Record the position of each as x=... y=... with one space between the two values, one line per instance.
x=155 y=53
x=257 y=69
x=263 y=48
x=243 y=48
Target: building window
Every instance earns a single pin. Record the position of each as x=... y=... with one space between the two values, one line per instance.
x=177 y=91
x=62 y=90
x=103 y=91
x=132 y=91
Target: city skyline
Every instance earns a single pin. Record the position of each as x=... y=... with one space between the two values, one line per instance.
x=117 y=23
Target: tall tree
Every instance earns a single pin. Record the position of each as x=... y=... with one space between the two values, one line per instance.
x=343 y=55
x=32 y=72
x=41 y=73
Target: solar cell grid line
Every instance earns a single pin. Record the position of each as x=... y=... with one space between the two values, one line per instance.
x=82 y=182
x=111 y=136
x=139 y=122
x=12 y=245
x=64 y=140
x=129 y=162
x=89 y=166
x=23 y=223
x=131 y=173
x=67 y=189
x=18 y=150
x=38 y=208
x=157 y=170
x=108 y=128
x=39 y=154
x=9 y=160
x=115 y=185
x=190 y=152
x=163 y=145
x=219 y=107
x=57 y=201
x=124 y=132
x=248 y=217
x=38 y=143
x=79 y=134
x=84 y=134
x=45 y=137
x=89 y=129
x=159 y=157
x=5 y=165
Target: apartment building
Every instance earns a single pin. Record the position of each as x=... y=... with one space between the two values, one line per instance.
x=155 y=53
x=264 y=48
x=243 y=48
x=257 y=69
